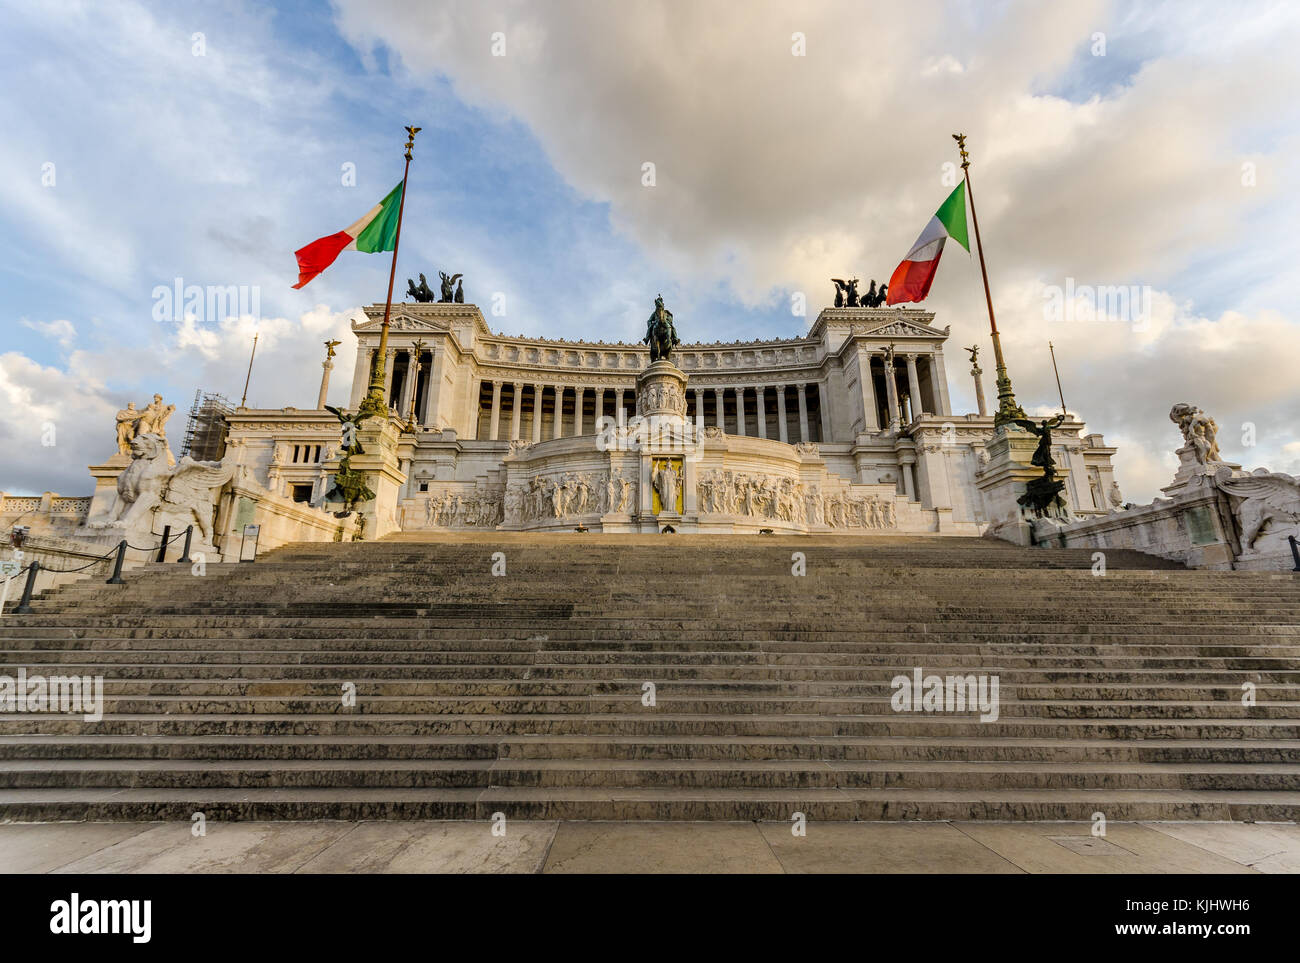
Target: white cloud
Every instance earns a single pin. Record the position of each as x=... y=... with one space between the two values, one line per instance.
x=778 y=172
x=77 y=400
x=63 y=332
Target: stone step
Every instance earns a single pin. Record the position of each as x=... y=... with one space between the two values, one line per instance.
x=975 y=749
x=645 y=804
x=237 y=674
x=289 y=700
x=288 y=684
x=1118 y=694
x=658 y=723
x=626 y=774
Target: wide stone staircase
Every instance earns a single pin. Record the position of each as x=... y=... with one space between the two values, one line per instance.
x=661 y=677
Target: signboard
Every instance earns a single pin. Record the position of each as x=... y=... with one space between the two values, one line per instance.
x=248 y=547
x=10 y=567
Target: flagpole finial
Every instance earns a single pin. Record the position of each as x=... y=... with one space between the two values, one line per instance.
x=961 y=146
x=410 y=140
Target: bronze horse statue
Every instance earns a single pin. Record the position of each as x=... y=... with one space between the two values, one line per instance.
x=660 y=333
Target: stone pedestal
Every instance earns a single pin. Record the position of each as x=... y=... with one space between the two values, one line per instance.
x=1191 y=473
x=105 y=475
x=661 y=396
x=385 y=454
x=1005 y=479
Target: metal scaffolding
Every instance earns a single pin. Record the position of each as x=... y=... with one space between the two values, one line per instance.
x=205 y=432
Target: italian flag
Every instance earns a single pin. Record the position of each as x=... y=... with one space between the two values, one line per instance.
x=911 y=279
x=376 y=231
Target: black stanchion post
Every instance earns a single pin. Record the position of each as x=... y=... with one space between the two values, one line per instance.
x=162 y=545
x=185 y=552
x=117 y=564
x=1295 y=552
x=25 y=606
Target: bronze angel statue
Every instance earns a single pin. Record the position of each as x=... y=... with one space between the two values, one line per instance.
x=448 y=287
x=1043 y=453
x=349 y=486
x=846 y=293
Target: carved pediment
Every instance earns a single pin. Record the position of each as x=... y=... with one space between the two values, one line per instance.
x=899 y=328
x=402 y=322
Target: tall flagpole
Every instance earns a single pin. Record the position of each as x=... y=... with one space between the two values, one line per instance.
x=249 y=376
x=1008 y=411
x=1058 y=377
x=373 y=404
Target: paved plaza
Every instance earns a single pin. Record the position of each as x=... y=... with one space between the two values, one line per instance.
x=328 y=846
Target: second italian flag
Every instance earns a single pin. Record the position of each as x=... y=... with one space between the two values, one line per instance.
x=911 y=279
x=376 y=231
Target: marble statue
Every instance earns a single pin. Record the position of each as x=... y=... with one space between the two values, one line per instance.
x=470 y=508
x=148 y=484
x=567 y=495
x=1261 y=500
x=1114 y=496
x=666 y=481
x=153 y=421
x=1199 y=431
x=784 y=499
x=128 y=423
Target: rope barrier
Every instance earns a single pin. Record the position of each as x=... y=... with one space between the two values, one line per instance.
x=10 y=578
x=79 y=568
x=119 y=551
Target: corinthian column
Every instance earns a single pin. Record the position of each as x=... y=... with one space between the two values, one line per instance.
x=537 y=413
x=803 y=412
x=496 y=411
x=782 y=431
x=891 y=393
x=914 y=387
x=324 y=382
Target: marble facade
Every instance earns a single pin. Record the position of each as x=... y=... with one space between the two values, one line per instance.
x=811 y=433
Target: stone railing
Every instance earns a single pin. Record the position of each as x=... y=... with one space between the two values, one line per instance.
x=48 y=513
x=1223 y=518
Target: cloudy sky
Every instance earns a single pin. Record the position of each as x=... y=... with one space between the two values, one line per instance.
x=1147 y=144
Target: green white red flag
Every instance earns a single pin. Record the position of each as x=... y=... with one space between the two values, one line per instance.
x=376 y=231
x=911 y=279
